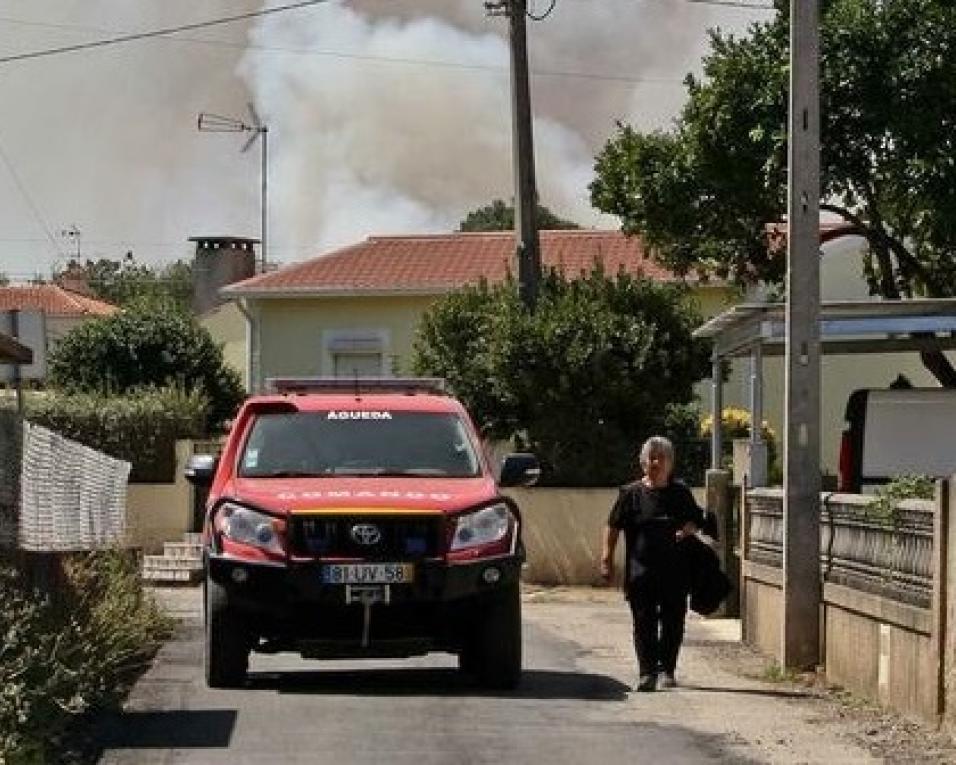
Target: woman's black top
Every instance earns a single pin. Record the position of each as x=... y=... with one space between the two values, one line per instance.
x=650 y=519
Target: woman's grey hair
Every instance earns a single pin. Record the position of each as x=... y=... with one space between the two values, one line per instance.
x=656 y=445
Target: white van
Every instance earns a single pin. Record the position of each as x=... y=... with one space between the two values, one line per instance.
x=907 y=431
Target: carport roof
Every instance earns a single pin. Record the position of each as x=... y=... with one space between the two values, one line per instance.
x=858 y=326
x=12 y=352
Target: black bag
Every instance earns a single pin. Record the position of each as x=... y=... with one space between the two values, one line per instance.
x=711 y=527
x=709 y=586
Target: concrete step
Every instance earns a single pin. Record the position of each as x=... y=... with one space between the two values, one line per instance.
x=182 y=550
x=172 y=575
x=168 y=563
x=163 y=568
x=192 y=538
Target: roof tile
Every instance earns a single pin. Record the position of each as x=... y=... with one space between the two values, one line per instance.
x=441 y=262
x=53 y=300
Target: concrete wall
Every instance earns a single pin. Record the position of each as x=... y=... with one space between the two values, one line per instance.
x=874 y=647
x=563 y=529
x=227 y=325
x=57 y=327
x=293 y=331
x=761 y=608
x=563 y=533
x=160 y=512
x=881 y=649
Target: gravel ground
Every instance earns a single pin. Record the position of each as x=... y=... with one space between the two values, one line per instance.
x=713 y=649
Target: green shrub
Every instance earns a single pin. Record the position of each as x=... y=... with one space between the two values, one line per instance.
x=146 y=344
x=692 y=451
x=141 y=427
x=64 y=658
x=582 y=380
x=901 y=488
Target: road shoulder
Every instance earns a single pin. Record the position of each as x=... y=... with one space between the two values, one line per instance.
x=734 y=693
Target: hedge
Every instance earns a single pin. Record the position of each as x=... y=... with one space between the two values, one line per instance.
x=147 y=344
x=68 y=657
x=141 y=428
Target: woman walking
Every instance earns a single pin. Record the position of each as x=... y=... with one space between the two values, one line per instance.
x=655 y=513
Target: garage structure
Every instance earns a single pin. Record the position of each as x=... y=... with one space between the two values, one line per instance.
x=755 y=331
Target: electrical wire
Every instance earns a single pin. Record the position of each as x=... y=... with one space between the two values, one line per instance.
x=347 y=56
x=173 y=34
x=734 y=4
x=542 y=16
x=166 y=31
x=22 y=189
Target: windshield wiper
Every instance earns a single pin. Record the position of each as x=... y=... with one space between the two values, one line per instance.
x=362 y=471
x=288 y=474
x=399 y=473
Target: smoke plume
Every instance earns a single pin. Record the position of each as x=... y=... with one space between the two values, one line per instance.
x=385 y=116
x=392 y=117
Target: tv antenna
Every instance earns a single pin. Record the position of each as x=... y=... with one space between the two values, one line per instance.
x=216 y=123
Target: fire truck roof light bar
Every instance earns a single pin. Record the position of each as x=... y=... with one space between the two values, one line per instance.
x=409 y=385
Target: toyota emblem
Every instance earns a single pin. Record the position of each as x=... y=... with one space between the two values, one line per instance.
x=367 y=534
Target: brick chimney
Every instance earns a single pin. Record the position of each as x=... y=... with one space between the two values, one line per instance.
x=219 y=262
x=74 y=279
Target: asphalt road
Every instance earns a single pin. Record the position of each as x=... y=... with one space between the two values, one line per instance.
x=417 y=711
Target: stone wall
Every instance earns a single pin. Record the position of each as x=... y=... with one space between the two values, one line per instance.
x=883 y=577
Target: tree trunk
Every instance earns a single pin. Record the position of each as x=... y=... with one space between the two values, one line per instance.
x=934 y=361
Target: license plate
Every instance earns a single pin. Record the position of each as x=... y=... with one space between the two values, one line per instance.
x=368 y=573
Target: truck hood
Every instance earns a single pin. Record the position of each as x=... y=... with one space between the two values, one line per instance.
x=292 y=495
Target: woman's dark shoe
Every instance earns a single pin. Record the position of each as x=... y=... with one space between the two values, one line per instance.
x=647 y=683
x=668 y=680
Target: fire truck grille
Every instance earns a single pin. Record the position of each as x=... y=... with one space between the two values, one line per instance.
x=368 y=537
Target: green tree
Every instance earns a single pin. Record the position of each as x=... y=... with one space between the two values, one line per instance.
x=127 y=281
x=142 y=346
x=500 y=216
x=582 y=380
x=704 y=194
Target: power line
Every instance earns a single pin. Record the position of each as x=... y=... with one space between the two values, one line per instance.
x=133 y=244
x=734 y=4
x=742 y=4
x=132 y=37
x=21 y=187
x=173 y=34
x=346 y=55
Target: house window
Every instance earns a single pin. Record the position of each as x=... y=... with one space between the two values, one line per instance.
x=355 y=353
x=357 y=364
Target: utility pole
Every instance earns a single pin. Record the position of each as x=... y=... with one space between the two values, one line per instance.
x=526 y=193
x=263 y=130
x=801 y=510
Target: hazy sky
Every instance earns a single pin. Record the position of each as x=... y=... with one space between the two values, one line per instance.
x=386 y=116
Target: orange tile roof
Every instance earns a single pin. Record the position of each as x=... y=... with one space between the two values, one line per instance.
x=52 y=299
x=441 y=262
